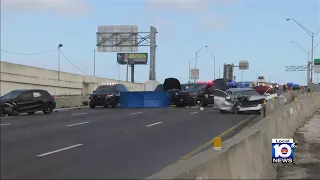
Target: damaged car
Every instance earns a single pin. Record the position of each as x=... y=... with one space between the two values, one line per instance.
x=238 y=100
x=268 y=92
x=27 y=101
x=172 y=86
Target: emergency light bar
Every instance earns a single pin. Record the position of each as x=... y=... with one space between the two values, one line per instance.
x=108 y=84
x=208 y=82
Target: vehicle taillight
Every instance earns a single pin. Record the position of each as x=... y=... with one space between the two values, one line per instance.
x=53 y=97
x=186 y=93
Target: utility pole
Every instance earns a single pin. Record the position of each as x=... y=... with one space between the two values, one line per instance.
x=313 y=35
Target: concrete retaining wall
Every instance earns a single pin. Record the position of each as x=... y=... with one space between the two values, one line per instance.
x=248 y=154
x=70 y=101
x=16 y=76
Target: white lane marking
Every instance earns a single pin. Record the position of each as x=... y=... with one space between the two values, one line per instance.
x=77 y=124
x=136 y=113
x=153 y=124
x=194 y=112
x=5 y=124
x=59 y=150
x=78 y=114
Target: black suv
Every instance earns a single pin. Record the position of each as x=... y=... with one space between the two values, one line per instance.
x=201 y=94
x=107 y=95
x=27 y=101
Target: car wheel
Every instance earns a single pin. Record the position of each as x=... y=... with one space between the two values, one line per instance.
x=114 y=105
x=222 y=111
x=31 y=113
x=14 y=112
x=48 y=108
x=179 y=105
x=204 y=105
x=235 y=110
x=92 y=106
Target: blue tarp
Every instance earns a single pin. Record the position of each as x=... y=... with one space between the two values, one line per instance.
x=144 y=99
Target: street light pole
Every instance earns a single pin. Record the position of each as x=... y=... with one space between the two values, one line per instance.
x=195 y=64
x=308 y=60
x=242 y=76
x=189 y=71
x=94 y=62
x=190 y=68
x=214 y=64
x=59 y=46
x=313 y=35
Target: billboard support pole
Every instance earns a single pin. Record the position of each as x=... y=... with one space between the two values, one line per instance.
x=127 y=70
x=132 y=73
x=153 y=46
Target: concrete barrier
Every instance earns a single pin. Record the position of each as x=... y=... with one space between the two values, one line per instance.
x=286 y=98
x=248 y=154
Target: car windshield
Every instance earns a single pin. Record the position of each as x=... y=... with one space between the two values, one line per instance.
x=196 y=87
x=12 y=94
x=185 y=86
x=106 y=89
x=245 y=93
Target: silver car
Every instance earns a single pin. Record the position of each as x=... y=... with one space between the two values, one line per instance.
x=237 y=100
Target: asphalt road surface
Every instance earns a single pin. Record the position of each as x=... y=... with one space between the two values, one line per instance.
x=105 y=143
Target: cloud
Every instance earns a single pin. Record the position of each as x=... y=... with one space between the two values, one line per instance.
x=179 y=5
x=186 y=6
x=212 y=23
x=60 y=7
x=164 y=26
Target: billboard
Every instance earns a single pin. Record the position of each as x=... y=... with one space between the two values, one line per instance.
x=117 y=38
x=132 y=58
x=317 y=66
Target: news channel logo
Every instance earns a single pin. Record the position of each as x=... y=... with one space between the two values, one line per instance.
x=283 y=150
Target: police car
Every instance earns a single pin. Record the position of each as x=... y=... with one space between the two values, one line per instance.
x=107 y=95
x=200 y=93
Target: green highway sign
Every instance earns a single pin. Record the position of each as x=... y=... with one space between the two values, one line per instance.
x=317 y=66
